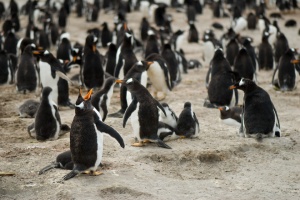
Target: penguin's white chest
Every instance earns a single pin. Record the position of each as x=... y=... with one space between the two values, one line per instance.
x=134 y=118
x=157 y=77
x=99 y=148
x=47 y=80
x=53 y=111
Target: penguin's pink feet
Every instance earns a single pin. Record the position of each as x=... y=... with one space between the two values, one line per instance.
x=92 y=173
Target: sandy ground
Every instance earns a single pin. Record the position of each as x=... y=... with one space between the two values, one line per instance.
x=217 y=165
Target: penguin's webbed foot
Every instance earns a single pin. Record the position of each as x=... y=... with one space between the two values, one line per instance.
x=53 y=165
x=92 y=173
x=160 y=143
x=137 y=144
x=70 y=175
x=118 y=114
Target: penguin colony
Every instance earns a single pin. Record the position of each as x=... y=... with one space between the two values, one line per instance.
x=232 y=64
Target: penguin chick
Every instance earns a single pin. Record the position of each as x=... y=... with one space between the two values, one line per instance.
x=170 y=118
x=144 y=114
x=166 y=132
x=259 y=116
x=187 y=124
x=28 y=108
x=86 y=138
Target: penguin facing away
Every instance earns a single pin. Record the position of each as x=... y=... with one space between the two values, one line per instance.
x=265 y=55
x=188 y=124
x=170 y=118
x=47 y=123
x=86 y=138
x=144 y=114
x=101 y=99
x=231 y=115
x=243 y=65
x=259 y=116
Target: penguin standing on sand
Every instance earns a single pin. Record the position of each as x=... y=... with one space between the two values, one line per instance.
x=265 y=53
x=144 y=27
x=286 y=72
x=251 y=52
x=281 y=46
x=231 y=115
x=188 y=124
x=92 y=73
x=101 y=99
x=243 y=65
x=64 y=48
x=232 y=49
x=193 y=33
x=47 y=124
x=27 y=73
x=86 y=137
x=159 y=76
x=7 y=70
x=52 y=75
x=259 y=116
x=106 y=35
x=110 y=59
x=221 y=79
x=152 y=45
x=144 y=114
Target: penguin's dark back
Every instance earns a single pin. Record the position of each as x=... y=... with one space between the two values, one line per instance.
x=243 y=65
x=265 y=56
x=4 y=68
x=63 y=92
x=26 y=75
x=92 y=72
x=286 y=72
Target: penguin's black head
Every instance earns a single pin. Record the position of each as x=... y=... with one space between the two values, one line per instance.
x=224 y=109
x=91 y=42
x=142 y=66
x=29 y=48
x=104 y=25
x=265 y=36
x=187 y=104
x=247 y=42
x=244 y=84
x=131 y=84
x=46 y=92
x=83 y=104
x=164 y=104
x=109 y=82
x=218 y=53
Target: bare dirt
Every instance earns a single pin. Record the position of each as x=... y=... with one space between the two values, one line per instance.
x=217 y=165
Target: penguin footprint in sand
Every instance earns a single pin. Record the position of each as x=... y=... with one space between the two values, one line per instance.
x=86 y=138
x=144 y=114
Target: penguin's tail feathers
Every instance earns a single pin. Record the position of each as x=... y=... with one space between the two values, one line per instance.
x=160 y=143
x=51 y=166
x=259 y=137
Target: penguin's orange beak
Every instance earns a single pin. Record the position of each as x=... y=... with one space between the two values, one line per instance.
x=119 y=81
x=74 y=59
x=94 y=48
x=148 y=64
x=36 y=52
x=232 y=87
x=295 y=61
x=88 y=95
x=220 y=108
x=125 y=26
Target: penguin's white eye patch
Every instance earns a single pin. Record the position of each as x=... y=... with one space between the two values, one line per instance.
x=129 y=80
x=33 y=45
x=127 y=35
x=95 y=39
x=150 y=32
x=81 y=106
x=140 y=63
x=242 y=82
x=226 y=108
x=46 y=52
x=76 y=50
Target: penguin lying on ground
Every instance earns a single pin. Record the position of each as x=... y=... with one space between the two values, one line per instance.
x=170 y=118
x=231 y=115
x=166 y=132
x=188 y=124
x=86 y=138
x=259 y=116
x=47 y=124
x=144 y=114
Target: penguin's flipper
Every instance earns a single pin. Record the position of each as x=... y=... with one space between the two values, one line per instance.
x=57 y=116
x=275 y=73
x=104 y=107
x=160 y=107
x=70 y=175
x=207 y=77
x=129 y=111
x=107 y=129
x=51 y=166
x=236 y=97
x=197 y=123
x=160 y=143
x=167 y=76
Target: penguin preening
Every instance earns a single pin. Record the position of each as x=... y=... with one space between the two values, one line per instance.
x=86 y=137
x=144 y=114
x=259 y=116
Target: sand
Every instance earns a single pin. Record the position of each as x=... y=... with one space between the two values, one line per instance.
x=217 y=165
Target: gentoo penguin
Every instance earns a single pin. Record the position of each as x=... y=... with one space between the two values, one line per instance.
x=221 y=79
x=138 y=72
x=187 y=124
x=144 y=28
x=53 y=75
x=243 y=65
x=28 y=108
x=101 y=99
x=232 y=49
x=159 y=15
x=92 y=72
x=47 y=122
x=27 y=73
x=191 y=13
x=251 y=52
x=166 y=132
x=62 y=18
x=231 y=115
x=125 y=58
x=239 y=24
x=63 y=161
x=217 y=8
x=170 y=118
x=286 y=72
x=152 y=45
x=208 y=50
x=177 y=39
x=159 y=76
x=281 y=46
x=86 y=138
x=170 y=57
x=106 y=35
x=144 y=114
x=7 y=70
x=110 y=59
x=193 y=35
x=10 y=43
x=251 y=21
x=259 y=116
x=265 y=53
x=64 y=48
